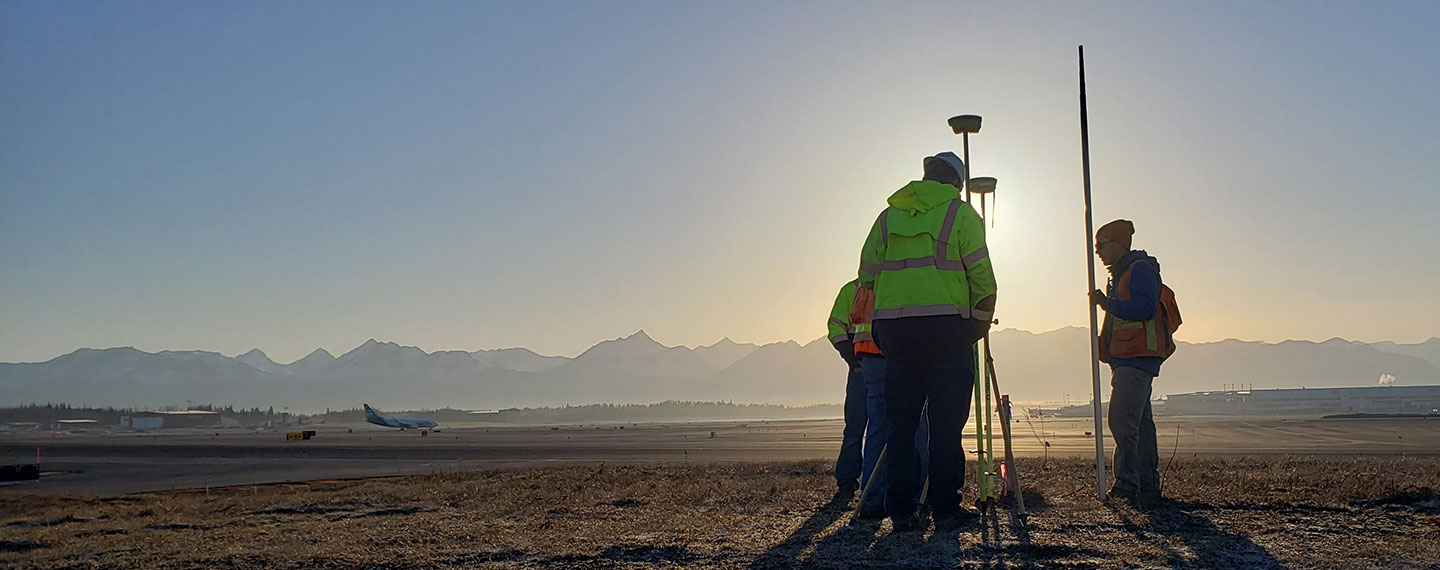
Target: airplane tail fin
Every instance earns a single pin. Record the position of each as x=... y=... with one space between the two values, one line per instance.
x=370 y=412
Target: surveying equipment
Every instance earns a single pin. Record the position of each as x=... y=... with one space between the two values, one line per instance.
x=984 y=444
x=963 y=125
x=869 y=483
x=1090 y=259
x=1009 y=473
x=988 y=398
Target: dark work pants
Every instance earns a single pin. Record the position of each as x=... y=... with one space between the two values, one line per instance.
x=928 y=357
x=847 y=466
x=1137 y=459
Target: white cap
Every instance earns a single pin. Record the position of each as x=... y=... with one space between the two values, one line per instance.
x=954 y=161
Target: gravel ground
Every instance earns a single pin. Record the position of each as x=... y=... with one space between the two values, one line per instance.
x=1221 y=513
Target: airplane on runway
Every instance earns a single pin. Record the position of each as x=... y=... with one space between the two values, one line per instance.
x=402 y=423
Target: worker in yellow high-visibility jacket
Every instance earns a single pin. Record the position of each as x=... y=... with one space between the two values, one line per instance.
x=848 y=476
x=926 y=264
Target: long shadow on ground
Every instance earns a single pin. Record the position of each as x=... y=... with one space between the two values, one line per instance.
x=1211 y=546
x=999 y=541
x=1008 y=545
x=787 y=553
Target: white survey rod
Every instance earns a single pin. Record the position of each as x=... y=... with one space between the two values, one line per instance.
x=1090 y=260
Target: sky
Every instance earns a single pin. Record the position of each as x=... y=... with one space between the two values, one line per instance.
x=466 y=175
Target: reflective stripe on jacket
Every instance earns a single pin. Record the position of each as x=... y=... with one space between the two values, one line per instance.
x=861 y=315
x=926 y=256
x=1123 y=338
x=838 y=327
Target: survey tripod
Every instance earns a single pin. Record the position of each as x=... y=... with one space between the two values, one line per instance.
x=995 y=480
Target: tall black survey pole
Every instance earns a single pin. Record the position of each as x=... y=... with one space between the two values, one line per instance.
x=1090 y=259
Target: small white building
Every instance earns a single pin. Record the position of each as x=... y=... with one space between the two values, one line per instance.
x=75 y=425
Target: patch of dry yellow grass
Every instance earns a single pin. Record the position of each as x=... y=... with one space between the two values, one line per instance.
x=1272 y=512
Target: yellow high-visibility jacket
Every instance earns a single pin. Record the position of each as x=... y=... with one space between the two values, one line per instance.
x=926 y=256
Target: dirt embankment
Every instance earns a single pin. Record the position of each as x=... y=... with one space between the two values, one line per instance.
x=1223 y=513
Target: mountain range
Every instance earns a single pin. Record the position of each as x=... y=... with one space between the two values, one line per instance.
x=1032 y=367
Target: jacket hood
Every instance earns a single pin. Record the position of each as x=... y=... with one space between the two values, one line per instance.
x=922 y=195
x=1132 y=257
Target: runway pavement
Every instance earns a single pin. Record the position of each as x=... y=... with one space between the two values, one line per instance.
x=109 y=463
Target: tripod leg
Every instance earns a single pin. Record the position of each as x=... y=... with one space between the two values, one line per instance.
x=981 y=480
x=869 y=484
x=1012 y=472
x=922 y=507
x=991 y=473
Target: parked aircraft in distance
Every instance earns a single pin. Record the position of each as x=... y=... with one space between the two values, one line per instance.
x=402 y=423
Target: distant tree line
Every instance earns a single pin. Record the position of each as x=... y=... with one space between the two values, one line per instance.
x=667 y=411
x=49 y=412
x=670 y=410
x=45 y=413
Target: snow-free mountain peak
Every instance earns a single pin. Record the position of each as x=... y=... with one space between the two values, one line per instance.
x=255 y=354
x=640 y=336
x=725 y=352
x=257 y=358
x=191 y=355
x=1428 y=350
x=316 y=356
x=638 y=358
x=518 y=359
x=314 y=363
x=623 y=347
x=372 y=349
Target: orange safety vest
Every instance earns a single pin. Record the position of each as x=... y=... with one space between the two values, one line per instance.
x=861 y=316
x=1153 y=338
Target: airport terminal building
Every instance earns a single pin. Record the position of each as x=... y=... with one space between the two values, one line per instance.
x=1371 y=399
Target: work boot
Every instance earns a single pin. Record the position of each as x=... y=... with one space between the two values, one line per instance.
x=1151 y=493
x=871 y=511
x=909 y=523
x=959 y=519
x=843 y=493
x=1150 y=497
x=1125 y=492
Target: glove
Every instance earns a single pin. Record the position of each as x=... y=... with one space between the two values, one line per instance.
x=847 y=353
x=1098 y=297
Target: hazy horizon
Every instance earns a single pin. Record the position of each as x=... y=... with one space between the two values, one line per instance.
x=181 y=176
x=802 y=342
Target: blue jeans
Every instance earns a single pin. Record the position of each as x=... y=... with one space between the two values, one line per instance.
x=847 y=466
x=877 y=432
x=929 y=358
x=1137 y=459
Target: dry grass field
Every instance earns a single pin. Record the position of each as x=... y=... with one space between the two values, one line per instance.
x=167 y=460
x=1273 y=512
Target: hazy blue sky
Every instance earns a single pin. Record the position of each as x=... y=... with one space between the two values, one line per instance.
x=464 y=175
